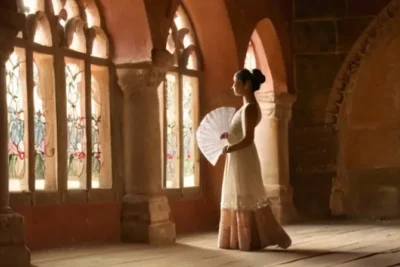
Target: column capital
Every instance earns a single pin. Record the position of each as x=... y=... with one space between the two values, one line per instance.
x=144 y=75
x=279 y=98
x=276 y=105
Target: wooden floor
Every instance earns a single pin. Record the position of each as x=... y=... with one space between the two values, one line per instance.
x=345 y=244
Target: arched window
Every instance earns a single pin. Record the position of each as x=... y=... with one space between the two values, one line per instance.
x=250 y=62
x=58 y=99
x=181 y=90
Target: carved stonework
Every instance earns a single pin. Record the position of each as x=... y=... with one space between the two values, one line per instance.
x=271 y=139
x=362 y=48
x=145 y=211
x=276 y=105
x=144 y=75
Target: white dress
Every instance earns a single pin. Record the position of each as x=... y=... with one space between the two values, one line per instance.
x=247 y=221
x=242 y=187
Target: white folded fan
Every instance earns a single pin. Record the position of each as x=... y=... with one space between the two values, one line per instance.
x=210 y=130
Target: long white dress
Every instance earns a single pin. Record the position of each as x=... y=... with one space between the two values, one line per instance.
x=247 y=221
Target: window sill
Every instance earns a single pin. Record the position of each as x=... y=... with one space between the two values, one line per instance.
x=50 y=197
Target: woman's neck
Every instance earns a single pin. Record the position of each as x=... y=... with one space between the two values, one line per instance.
x=249 y=99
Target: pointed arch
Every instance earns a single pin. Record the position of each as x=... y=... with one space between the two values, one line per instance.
x=268 y=55
x=92 y=14
x=99 y=43
x=181 y=105
x=75 y=33
x=42 y=32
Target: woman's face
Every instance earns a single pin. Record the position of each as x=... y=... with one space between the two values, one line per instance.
x=238 y=87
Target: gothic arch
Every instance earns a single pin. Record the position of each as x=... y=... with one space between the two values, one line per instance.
x=363 y=106
x=269 y=55
x=381 y=26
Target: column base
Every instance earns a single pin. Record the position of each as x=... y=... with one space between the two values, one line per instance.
x=13 y=250
x=147 y=219
x=282 y=206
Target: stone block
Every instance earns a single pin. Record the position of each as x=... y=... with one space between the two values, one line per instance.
x=16 y=255
x=314 y=36
x=365 y=8
x=12 y=229
x=147 y=219
x=319 y=9
x=13 y=251
x=154 y=234
x=366 y=148
x=316 y=72
x=349 y=30
x=310 y=108
x=312 y=150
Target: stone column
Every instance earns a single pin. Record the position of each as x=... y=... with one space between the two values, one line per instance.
x=145 y=209
x=13 y=251
x=272 y=145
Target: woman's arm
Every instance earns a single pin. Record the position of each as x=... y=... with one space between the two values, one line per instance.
x=250 y=123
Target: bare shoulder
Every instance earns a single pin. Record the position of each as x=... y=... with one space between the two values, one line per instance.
x=251 y=112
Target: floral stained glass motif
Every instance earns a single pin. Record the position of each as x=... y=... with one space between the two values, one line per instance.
x=171 y=130
x=16 y=120
x=75 y=122
x=96 y=120
x=40 y=127
x=188 y=135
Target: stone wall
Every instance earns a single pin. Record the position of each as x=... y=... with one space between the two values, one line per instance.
x=323 y=33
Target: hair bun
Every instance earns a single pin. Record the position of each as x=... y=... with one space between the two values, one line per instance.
x=258 y=76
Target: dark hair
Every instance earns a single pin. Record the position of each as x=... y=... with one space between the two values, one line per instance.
x=256 y=78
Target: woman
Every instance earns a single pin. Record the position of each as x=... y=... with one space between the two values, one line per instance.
x=247 y=222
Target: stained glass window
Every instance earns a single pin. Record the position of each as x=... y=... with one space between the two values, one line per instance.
x=76 y=124
x=44 y=117
x=180 y=106
x=38 y=159
x=16 y=120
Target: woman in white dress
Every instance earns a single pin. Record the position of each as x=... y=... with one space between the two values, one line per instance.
x=247 y=222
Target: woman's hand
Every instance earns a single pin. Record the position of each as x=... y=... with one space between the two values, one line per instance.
x=224 y=136
x=226 y=150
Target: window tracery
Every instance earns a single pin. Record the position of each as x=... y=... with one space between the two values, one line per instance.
x=181 y=89
x=57 y=97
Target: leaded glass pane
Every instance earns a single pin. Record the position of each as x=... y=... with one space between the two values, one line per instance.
x=172 y=131
x=187 y=131
x=40 y=127
x=96 y=120
x=16 y=120
x=76 y=125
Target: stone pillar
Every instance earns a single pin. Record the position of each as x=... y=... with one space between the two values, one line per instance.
x=13 y=250
x=271 y=139
x=145 y=209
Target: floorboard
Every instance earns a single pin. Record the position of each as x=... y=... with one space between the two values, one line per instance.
x=336 y=243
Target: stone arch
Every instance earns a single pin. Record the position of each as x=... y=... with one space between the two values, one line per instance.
x=269 y=55
x=132 y=42
x=364 y=105
x=363 y=47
